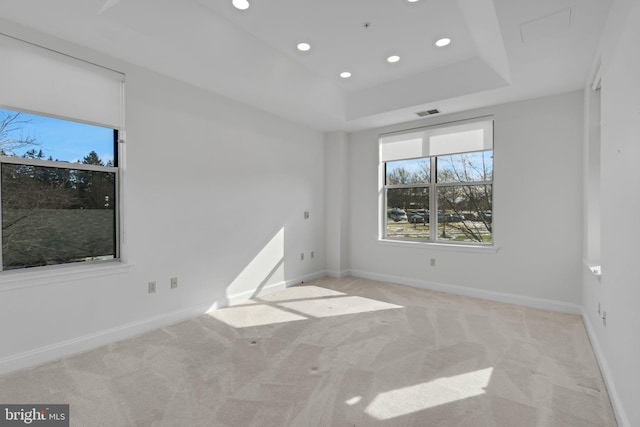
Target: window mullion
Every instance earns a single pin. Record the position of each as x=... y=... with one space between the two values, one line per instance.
x=14 y=160
x=396 y=186
x=433 y=201
x=1 y=234
x=464 y=183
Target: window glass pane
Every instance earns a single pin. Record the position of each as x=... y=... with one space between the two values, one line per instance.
x=408 y=212
x=413 y=171
x=56 y=215
x=465 y=213
x=466 y=167
x=46 y=138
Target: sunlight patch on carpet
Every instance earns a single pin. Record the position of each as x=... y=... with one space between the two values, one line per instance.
x=415 y=398
x=246 y=316
x=337 y=306
x=266 y=312
x=353 y=401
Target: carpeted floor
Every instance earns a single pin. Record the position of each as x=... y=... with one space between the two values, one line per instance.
x=337 y=352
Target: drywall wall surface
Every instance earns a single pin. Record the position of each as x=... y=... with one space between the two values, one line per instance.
x=618 y=291
x=337 y=203
x=537 y=209
x=215 y=194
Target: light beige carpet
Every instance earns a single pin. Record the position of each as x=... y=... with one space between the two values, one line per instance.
x=347 y=352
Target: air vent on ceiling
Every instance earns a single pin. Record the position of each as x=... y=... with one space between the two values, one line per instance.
x=427 y=113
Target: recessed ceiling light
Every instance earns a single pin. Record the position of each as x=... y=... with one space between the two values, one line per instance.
x=443 y=42
x=240 y=4
x=412 y=1
x=303 y=47
x=393 y=58
x=345 y=74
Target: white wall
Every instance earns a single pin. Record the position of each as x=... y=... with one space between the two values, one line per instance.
x=618 y=343
x=215 y=194
x=337 y=203
x=537 y=211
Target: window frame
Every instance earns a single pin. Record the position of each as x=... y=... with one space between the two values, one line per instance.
x=115 y=169
x=433 y=185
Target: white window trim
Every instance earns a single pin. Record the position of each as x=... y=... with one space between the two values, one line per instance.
x=441 y=246
x=425 y=132
x=61 y=273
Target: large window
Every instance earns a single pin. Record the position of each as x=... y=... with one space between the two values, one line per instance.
x=438 y=184
x=57 y=194
x=60 y=121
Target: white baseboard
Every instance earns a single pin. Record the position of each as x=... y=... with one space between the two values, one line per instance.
x=338 y=274
x=533 y=302
x=84 y=343
x=275 y=287
x=618 y=409
x=308 y=278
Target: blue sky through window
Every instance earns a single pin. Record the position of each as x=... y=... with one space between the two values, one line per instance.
x=59 y=139
x=411 y=165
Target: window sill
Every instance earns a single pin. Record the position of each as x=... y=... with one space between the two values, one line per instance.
x=452 y=247
x=45 y=276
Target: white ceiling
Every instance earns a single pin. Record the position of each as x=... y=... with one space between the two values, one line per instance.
x=357 y=35
x=502 y=50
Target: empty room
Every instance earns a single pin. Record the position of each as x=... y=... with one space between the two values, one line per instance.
x=251 y=213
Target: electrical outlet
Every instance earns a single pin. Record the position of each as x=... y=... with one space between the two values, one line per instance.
x=152 y=287
x=312 y=254
x=433 y=262
x=301 y=256
x=306 y=214
x=174 y=282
